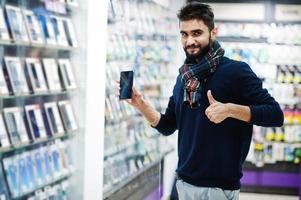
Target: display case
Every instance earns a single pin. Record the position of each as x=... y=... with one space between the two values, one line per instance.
x=42 y=81
x=142 y=38
x=269 y=41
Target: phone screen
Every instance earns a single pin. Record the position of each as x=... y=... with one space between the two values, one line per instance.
x=126 y=84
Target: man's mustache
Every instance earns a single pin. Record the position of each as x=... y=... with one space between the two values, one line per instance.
x=192 y=46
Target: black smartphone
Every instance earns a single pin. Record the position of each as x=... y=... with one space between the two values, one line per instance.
x=126 y=84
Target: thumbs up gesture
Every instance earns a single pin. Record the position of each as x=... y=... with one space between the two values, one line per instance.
x=217 y=111
x=210 y=98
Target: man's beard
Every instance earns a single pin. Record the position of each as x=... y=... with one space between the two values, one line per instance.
x=193 y=58
x=202 y=51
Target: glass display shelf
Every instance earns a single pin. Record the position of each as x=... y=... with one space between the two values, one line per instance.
x=55 y=181
x=37 y=94
x=121 y=149
x=12 y=44
x=26 y=146
x=116 y=187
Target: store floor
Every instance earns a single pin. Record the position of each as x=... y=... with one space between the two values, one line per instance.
x=254 y=196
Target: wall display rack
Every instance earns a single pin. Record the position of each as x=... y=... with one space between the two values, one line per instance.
x=271 y=47
x=39 y=92
x=140 y=38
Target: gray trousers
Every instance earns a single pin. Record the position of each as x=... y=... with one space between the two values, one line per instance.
x=187 y=191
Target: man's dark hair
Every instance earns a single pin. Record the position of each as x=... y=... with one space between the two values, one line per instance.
x=197 y=10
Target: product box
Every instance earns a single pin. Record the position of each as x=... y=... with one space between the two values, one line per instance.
x=59 y=31
x=25 y=183
x=16 y=24
x=40 y=195
x=31 y=169
x=15 y=125
x=35 y=121
x=67 y=115
x=47 y=29
x=36 y=76
x=58 y=191
x=4 y=139
x=4 y=35
x=3 y=86
x=40 y=167
x=33 y=27
x=64 y=157
x=3 y=188
x=10 y=165
x=56 y=161
x=57 y=6
x=52 y=74
x=53 y=118
x=68 y=155
x=46 y=153
x=15 y=76
x=70 y=32
x=65 y=189
x=67 y=75
x=51 y=192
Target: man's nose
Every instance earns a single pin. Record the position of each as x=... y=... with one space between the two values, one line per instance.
x=189 y=41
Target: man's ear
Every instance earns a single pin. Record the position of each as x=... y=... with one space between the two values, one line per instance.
x=213 y=33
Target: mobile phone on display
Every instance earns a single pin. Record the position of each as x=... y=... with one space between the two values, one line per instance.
x=126 y=84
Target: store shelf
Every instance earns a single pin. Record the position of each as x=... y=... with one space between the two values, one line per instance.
x=57 y=180
x=120 y=185
x=253 y=40
x=36 y=95
x=282 y=142
x=33 y=63
x=281 y=166
x=284 y=44
x=27 y=146
x=13 y=44
x=132 y=145
x=291 y=124
x=242 y=39
x=155 y=37
x=114 y=153
x=131 y=118
x=6 y=42
x=115 y=188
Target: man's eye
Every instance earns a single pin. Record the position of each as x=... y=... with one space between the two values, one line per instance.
x=196 y=34
x=183 y=34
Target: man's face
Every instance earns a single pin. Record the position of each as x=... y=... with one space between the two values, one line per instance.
x=195 y=37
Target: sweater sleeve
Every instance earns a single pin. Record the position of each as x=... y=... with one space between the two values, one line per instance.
x=167 y=124
x=265 y=111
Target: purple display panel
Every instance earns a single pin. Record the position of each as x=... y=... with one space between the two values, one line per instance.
x=156 y=194
x=273 y=179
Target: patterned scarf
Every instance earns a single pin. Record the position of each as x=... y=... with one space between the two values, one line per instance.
x=194 y=75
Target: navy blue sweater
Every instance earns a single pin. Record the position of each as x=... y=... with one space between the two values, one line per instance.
x=211 y=155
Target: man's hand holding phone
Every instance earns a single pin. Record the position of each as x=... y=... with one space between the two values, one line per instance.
x=126 y=91
x=129 y=93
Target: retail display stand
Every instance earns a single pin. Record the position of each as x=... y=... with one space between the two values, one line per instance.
x=140 y=38
x=269 y=41
x=40 y=87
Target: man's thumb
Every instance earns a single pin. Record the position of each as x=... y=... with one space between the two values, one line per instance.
x=210 y=97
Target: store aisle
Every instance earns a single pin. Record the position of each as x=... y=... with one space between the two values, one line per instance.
x=253 y=196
